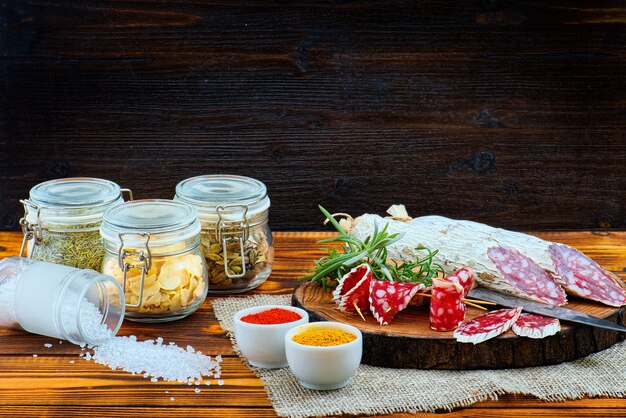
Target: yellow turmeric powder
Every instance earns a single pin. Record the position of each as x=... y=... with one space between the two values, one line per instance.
x=324 y=337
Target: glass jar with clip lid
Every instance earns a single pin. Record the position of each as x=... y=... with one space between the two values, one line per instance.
x=153 y=250
x=236 y=238
x=62 y=220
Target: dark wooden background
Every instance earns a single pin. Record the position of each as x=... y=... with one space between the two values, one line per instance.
x=512 y=113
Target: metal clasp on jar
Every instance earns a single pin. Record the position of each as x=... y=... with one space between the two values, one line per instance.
x=139 y=259
x=30 y=231
x=238 y=230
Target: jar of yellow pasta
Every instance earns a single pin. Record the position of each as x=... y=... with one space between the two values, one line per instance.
x=153 y=249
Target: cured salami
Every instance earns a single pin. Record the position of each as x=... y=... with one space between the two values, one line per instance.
x=352 y=292
x=535 y=326
x=447 y=309
x=466 y=243
x=464 y=277
x=487 y=326
x=387 y=299
x=526 y=276
x=583 y=277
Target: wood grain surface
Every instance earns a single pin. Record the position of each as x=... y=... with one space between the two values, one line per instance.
x=409 y=342
x=50 y=385
x=507 y=112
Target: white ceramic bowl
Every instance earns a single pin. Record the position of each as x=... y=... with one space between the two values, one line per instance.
x=264 y=345
x=324 y=368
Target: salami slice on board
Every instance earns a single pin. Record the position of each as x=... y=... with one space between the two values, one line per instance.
x=535 y=326
x=487 y=326
x=464 y=277
x=387 y=298
x=353 y=289
x=447 y=309
x=581 y=276
x=526 y=277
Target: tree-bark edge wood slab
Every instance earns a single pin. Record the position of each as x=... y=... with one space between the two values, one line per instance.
x=408 y=342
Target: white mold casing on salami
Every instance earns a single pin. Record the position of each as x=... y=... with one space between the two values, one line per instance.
x=463 y=243
x=458 y=246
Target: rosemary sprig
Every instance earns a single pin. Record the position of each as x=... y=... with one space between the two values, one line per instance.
x=371 y=250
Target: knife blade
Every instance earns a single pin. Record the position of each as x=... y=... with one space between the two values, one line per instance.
x=546 y=310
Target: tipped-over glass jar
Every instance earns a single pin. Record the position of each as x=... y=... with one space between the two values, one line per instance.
x=236 y=239
x=62 y=220
x=81 y=306
x=153 y=250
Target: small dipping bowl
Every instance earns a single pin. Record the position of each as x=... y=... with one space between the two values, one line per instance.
x=264 y=345
x=328 y=367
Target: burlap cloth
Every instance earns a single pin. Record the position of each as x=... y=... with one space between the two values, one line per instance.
x=376 y=390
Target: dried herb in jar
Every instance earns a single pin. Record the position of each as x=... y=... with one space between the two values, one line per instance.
x=81 y=249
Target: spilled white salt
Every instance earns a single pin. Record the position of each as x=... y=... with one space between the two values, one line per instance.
x=197 y=390
x=151 y=358
x=172 y=398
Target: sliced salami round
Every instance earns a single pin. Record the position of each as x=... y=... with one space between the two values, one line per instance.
x=526 y=277
x=487 y=326
x=583 y=277
x=352 y=292
x=535 y=326
x=447 y=309
x=463 y=276
x=387 y=299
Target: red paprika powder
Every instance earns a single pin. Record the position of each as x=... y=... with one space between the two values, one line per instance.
x=271 y=316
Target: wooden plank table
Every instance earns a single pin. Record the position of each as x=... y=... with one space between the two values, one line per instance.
x=50 y=385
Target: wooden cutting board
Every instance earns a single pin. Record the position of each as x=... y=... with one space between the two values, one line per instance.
x=408 y=342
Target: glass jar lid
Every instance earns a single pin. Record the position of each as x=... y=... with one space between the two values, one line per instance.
x=207 y=193
x=167 y=222
x=76 y=191
x=71 y=201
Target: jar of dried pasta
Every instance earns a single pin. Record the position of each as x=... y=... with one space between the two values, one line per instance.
x=236 y=238
x=62 y=220
x=153 y=250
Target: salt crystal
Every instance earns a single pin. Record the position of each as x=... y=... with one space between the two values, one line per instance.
x=167 y=391
x=220 y=382
x=60 y=341
x=159 y=341
x=172 y=398
x=72 y=362
x=197 y=390
x=47 y=345
x=34 y=355
x=154 y=380
x=207 y=383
